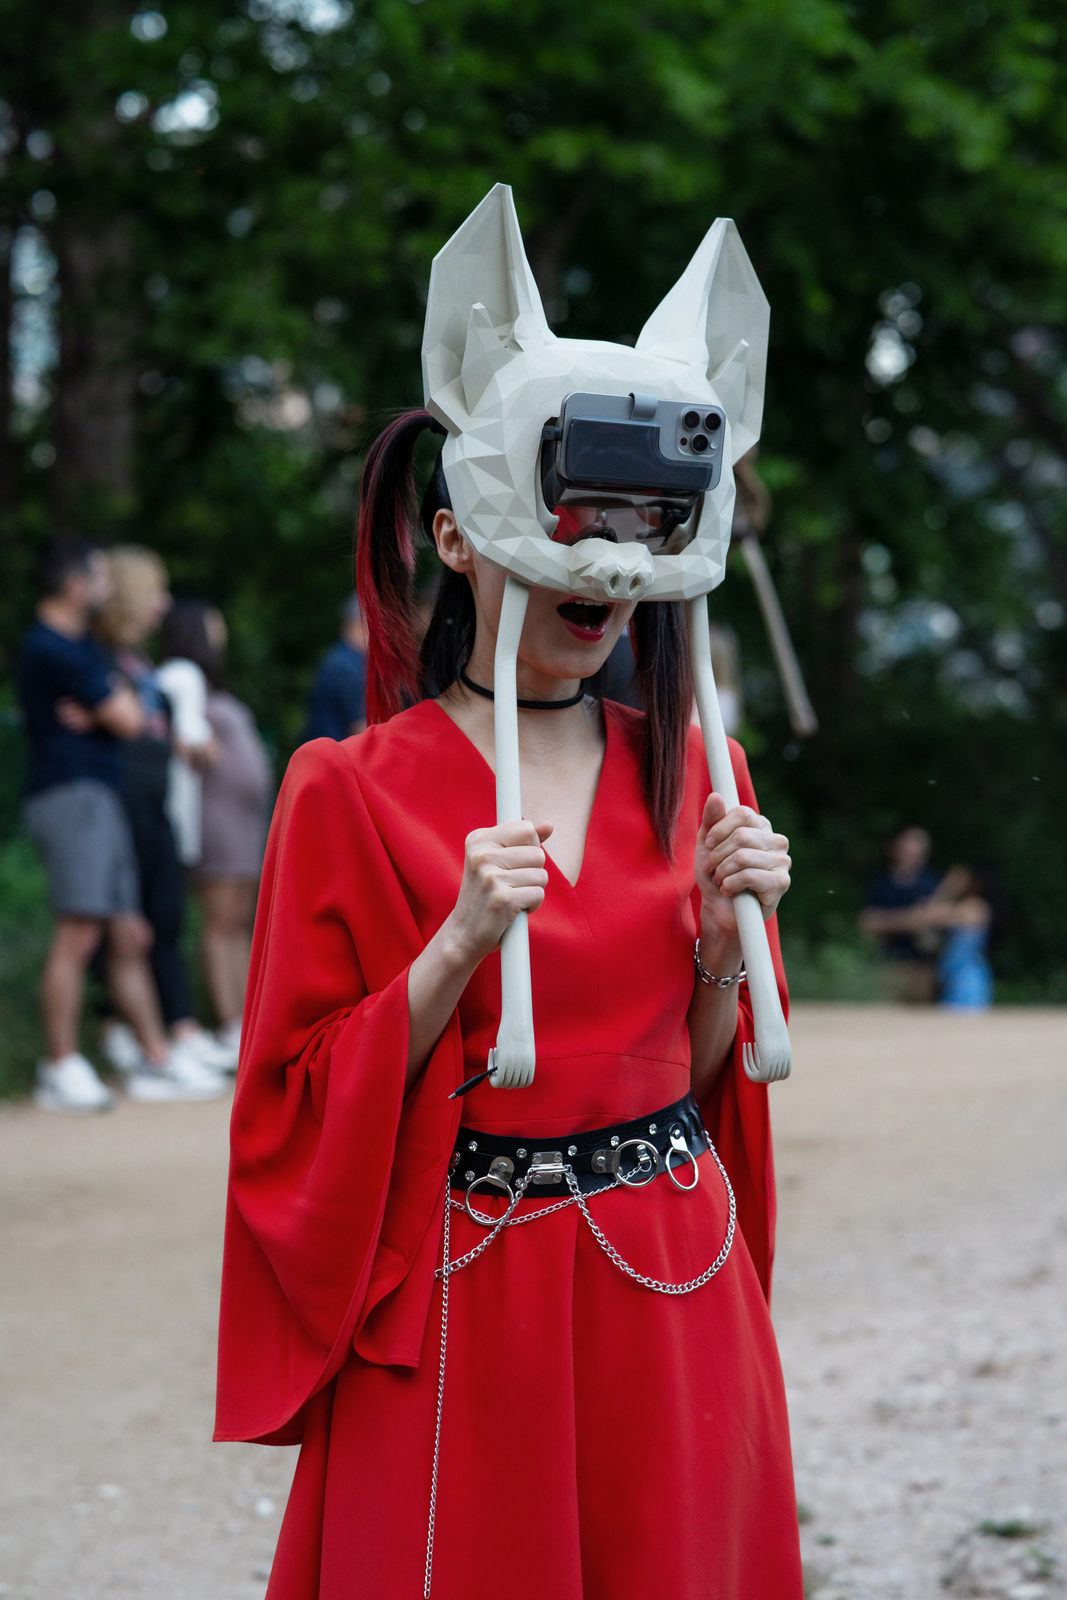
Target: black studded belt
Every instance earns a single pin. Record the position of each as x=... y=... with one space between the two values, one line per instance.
x=633 y=1152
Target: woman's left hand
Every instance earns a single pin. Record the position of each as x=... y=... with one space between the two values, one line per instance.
x=737 y=850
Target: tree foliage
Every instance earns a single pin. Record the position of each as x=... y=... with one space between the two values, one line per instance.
x=243 y=204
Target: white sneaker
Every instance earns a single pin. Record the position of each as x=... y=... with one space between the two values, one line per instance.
x=211 y=1051
x=181 y=1076
x=230 y=1035
x=119 y=1043
x=71 y=1085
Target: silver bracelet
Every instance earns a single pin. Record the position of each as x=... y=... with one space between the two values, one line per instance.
x=709 y=977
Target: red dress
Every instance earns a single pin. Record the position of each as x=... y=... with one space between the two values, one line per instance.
x=599 y=1441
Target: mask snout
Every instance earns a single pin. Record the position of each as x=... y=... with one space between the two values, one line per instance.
x=606 y=571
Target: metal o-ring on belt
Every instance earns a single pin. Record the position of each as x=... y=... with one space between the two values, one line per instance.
x=631 y=1153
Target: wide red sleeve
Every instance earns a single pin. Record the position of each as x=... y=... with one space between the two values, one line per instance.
x=737 y=1112
x=315 y=1239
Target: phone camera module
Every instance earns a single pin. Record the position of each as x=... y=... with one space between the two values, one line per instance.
x=691 y=420
x=700 y=442
x=712 y=421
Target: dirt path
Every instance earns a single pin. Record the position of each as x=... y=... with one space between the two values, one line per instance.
x=920 y=1303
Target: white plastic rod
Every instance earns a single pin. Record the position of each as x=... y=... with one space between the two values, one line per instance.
x=772 y=1057
x=512 y=1061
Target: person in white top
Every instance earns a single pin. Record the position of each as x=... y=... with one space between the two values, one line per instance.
x=184 y=684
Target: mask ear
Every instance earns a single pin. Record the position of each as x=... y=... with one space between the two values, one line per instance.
x=717 y=317
x=482 y=309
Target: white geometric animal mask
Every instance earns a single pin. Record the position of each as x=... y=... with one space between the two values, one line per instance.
x=494 y=374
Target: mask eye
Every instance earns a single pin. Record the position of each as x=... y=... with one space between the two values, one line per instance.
x=582 y=522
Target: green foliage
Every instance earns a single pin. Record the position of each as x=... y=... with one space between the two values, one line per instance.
x=897 y=175
x=24 y=926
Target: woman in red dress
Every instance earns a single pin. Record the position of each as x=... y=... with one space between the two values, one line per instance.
x=599 y=1427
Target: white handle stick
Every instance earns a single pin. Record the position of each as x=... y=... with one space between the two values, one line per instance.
x=772 y=1056
x=512 y=1061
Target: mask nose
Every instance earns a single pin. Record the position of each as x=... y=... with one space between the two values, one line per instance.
x=612 y=571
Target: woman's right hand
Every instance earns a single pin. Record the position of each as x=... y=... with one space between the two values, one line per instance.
x=503 y=874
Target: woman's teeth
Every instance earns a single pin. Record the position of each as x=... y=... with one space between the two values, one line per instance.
x=587 y=614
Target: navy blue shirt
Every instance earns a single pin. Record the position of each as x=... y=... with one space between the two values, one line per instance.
x=52 y=667
x=886 y=894
x=339 y=694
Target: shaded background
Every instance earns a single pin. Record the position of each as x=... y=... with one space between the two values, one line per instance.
x=216 y=227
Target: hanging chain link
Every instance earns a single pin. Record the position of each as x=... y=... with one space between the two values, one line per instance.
x=440 y=1408
x=506 y=1220
x=639 y=1277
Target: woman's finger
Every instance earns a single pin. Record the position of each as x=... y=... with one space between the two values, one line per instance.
x=524 y=879
x=765 y=885
x=760 y=860
x=714 y=811
x=747 y=839
x=738 y=817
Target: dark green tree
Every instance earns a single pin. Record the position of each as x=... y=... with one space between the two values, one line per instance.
x=243 y=204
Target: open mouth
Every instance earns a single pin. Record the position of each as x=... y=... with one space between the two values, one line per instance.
x=586 y=619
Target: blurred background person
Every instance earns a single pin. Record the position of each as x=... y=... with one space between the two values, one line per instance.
x=960 y=906
x=181 y=678
x=138 y=602
x=338 y=703
x=235 y=793
x=78 y=716
x=617 y=678
x=894 y=913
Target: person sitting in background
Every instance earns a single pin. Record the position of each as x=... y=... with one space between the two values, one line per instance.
x=893 y=914
x=338 y=705
x=139 y=600
x=77 y=715
x=236 y=787
x=960 y=906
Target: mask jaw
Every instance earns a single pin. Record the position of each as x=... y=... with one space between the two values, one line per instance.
x=513 y=1059
x=771 y=1059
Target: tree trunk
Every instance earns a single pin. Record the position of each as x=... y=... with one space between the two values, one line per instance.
x=96 y=384
x=547 y=247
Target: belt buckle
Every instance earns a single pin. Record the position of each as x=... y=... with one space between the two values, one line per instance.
x=546 y=1166
x=680 y=1147
x=646 y=1163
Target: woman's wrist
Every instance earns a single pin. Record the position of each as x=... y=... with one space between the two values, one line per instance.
x=720 y=950
x=454 y=951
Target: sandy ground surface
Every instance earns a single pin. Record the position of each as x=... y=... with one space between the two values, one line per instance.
x=920 y=1302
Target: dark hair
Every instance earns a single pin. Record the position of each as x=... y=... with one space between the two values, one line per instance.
x=399 y=673
x=59 y=558
x=183 y=635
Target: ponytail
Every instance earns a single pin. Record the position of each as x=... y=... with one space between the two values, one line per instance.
x=385 y=564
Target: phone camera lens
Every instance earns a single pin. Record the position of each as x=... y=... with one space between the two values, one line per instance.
x=712 y=421
x=700 y=442
x=691 y=420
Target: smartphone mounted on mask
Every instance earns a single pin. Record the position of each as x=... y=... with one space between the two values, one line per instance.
x=630 y=468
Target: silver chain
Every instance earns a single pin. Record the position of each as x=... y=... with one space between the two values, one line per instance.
x=639 y=1277
x=440 y=1408
x=506 y=1220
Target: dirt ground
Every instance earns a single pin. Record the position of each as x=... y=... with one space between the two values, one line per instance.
x=920 y=1303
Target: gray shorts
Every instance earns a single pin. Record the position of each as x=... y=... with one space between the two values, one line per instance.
x=82 y=832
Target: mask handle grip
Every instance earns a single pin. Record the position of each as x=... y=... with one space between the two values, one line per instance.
x=771 y=1059
x=513 y=1058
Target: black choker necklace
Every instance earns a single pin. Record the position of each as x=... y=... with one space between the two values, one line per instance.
x=523 y=705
